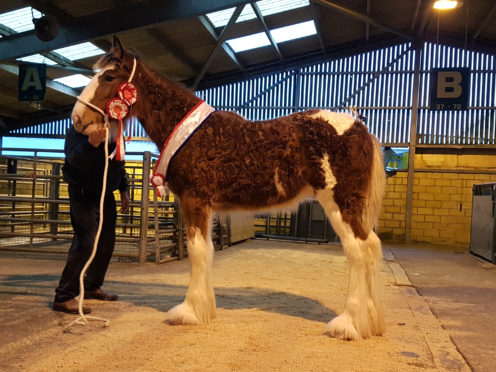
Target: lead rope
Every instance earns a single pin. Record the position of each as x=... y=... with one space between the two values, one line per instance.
x=82 y=318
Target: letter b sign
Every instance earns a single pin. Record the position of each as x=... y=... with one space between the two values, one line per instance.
x=449 y=88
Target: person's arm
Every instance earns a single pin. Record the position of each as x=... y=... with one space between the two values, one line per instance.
x=124 y=189
x=80 y=150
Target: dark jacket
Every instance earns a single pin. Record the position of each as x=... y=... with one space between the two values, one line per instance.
x=84 y=165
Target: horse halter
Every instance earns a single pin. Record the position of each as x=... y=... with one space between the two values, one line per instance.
x=118 y=106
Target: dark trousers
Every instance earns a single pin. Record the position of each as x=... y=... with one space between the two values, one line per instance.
x=85 y=210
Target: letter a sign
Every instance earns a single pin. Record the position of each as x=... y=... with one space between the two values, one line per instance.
x=32 y=81
x=449 y=88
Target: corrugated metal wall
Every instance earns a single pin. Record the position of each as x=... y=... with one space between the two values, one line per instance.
x=58 y=128
x=379 y=83
x=469 y=127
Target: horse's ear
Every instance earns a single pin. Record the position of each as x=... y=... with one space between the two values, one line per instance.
x=117 y=48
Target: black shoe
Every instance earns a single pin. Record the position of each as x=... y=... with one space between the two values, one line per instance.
x=70 y=306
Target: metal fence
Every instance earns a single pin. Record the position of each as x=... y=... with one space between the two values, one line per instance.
x=34 y=212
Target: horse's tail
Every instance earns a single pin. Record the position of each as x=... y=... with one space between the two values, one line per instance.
x=376 y=188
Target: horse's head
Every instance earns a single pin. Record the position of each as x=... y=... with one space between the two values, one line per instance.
x=112 y=70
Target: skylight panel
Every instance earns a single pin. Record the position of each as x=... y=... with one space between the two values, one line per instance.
x=20 y=20
x=267 y=7
x=222 y=17
x=280 y=35
x=37 y=58
x=74 y=81
x=248 y=42
x=79 y=51
x=293 y=32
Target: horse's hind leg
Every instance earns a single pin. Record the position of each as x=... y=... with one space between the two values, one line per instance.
x=362 y=316
x=199 y=304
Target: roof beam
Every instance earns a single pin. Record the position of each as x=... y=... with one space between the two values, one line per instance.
x=110 y=22
x=76 y=70
x=316 y=17
x=367 y=25
x=227 y=49
x=61 y=88
x=177 y=52
x=47 y=7
x=8 y=6
x=339 y=51
x=38 y=118
x=426 y=16
x=484 y=22
x=361 y=17
x=416 y=14
x=220 y=42
x=9 y=113
x=60 y=59
x=266 y=29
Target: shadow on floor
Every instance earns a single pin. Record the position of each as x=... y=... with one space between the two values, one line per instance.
x=164 y=296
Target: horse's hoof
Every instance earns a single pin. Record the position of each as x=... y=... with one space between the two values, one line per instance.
x=182 y=314
x=342 y=328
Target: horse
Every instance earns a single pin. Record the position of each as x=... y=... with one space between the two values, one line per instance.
x=230 y=163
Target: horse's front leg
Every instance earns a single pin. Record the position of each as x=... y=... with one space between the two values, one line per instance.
x=199 y=304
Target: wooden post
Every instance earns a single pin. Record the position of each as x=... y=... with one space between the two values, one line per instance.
x=145 y=191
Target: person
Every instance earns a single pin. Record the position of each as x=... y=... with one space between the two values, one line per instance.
x=83 y=171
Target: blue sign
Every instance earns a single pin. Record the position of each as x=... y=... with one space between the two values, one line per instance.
x=32 y=81
x=449 y=88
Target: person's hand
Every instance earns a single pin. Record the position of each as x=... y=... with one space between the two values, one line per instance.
x=96 y=137
x=124 y=202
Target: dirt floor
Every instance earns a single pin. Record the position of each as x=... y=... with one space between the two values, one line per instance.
x=274 y=299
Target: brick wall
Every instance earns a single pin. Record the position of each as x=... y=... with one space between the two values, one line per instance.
x=393 y=210
x=442 y=200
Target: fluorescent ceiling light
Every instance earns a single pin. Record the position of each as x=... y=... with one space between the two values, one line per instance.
x=20 y=20
x=37 y=58
x=293 y=32
x=445 y=4
x=79 y=51
x=267 y=7
x=280 y=35
x=74 y=81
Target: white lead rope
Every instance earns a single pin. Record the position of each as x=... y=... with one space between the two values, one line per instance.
x=82 y=318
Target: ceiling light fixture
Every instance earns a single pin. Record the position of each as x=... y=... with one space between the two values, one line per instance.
x=446 y=4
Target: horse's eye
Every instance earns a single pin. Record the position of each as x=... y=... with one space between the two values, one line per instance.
x=109 y=78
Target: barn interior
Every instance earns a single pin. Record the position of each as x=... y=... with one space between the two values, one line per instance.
x=263 y=59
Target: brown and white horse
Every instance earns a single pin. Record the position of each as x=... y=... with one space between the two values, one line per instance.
x=231 y=163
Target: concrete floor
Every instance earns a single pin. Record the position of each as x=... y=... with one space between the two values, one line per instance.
x=440 y=313
x=460 y=290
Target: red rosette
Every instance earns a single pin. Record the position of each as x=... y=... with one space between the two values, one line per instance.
x=128 y=92
x=117 y=108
